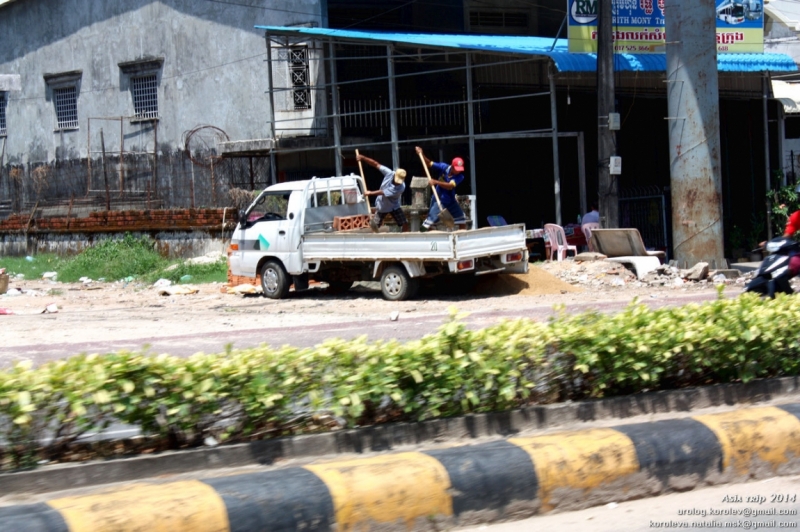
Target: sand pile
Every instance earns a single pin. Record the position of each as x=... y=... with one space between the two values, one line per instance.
x=535 y=282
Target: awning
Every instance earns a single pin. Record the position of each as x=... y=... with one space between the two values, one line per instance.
x=788 y=94
x=542 y=46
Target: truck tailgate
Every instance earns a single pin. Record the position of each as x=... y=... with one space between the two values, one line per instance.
x=489 y=241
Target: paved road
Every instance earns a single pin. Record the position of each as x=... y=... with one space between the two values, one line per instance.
x=680 y=511
x=409 y=326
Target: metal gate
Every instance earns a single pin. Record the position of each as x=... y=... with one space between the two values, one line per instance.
x=645 y=208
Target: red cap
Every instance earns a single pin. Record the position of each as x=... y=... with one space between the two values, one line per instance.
x=458 y=164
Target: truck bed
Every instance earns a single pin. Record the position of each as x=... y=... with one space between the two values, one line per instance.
x=433 y=245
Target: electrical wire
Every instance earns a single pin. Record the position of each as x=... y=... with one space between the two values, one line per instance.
x=378 y=15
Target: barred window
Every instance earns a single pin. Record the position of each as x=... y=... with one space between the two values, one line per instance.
x=3 y=101
x=144 y=90
x=298 y=70
x=66 y=102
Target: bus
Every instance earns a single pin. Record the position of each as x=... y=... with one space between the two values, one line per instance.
x=731 y=11
x=753 y=9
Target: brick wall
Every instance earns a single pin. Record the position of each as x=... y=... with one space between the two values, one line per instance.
x=122 y=221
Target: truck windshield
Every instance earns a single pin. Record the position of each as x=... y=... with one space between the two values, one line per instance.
x=270 y=206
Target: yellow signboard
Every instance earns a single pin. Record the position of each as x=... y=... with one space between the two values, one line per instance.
x=638 y=26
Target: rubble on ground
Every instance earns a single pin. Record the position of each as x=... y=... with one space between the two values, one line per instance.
x=604 y=275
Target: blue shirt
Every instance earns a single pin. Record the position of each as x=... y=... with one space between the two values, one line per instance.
x=392 y=192
x=590 y=217
x=447 y=196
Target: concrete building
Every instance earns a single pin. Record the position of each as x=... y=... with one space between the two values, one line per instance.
x=145 y=73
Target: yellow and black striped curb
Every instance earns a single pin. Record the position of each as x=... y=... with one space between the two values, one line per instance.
x=468 y=484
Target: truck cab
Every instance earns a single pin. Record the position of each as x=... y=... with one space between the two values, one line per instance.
x=278 y=218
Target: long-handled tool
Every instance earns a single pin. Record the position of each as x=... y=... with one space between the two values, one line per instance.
x=361 y=169
x=444 y=216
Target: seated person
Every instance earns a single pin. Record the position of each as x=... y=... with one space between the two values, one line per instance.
x=592 y=216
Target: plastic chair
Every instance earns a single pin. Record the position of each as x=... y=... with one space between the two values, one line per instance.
x=496 y=221
x=558 y=242
x=587 y=233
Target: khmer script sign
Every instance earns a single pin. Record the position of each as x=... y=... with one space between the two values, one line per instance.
x=638 y=26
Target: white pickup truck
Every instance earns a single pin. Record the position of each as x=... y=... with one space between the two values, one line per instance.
x=287 y=238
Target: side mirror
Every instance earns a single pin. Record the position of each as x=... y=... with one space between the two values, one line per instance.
x=242 y=218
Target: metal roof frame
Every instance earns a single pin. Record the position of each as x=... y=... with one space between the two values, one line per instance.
x=537 y=49
x=556 y=50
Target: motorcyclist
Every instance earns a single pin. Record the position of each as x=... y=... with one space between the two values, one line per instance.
x=793 y=226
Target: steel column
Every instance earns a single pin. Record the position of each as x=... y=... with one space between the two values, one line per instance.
x=473 y=179
x=781 y=136
x=767 y=177
x=393 y=107
x=2 y=168
x=582 y=173
x=155 y=160
x=554 y=123
x=89 y=154
x=121 y=153
x=272 y=162
x=694 y=137
x=337 y=126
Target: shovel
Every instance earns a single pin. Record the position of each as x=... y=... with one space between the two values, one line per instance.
x=444 y=216
x=361 y=169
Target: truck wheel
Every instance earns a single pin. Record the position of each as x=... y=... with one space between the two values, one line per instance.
x=274 y=281
x=396 y=285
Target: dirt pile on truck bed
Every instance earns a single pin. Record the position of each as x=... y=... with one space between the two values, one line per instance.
x=535 y=282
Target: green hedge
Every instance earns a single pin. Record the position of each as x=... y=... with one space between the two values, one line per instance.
x=265 y=392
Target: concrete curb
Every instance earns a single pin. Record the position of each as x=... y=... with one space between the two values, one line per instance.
x=391 y=436
x=456 y=486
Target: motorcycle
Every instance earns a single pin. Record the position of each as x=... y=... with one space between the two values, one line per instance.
x=773 y=275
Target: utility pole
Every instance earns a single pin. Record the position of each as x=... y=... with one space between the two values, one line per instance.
x=694 y=137
x=606 y=143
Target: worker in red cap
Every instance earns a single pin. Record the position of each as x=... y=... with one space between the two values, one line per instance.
x=449 y=177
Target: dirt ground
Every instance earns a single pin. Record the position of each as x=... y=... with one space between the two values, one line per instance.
x=36 y=313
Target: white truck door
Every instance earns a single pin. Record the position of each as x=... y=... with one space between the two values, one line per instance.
x=268 y=232
x=276 y=237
